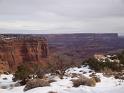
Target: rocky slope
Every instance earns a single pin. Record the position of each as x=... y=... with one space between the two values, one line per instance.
x=18 y=49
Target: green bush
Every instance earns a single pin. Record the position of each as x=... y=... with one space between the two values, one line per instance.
x=22 y=73
x=121 y=57
x=100 y=66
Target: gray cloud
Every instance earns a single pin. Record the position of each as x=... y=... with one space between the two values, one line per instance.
x=61 y=16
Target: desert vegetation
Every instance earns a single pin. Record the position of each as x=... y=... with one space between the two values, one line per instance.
x=34 y=75
x=59 y=64
x=121 y=57
x=84 y=81
x=36 y=83
x=56 y=65
x=100 y=66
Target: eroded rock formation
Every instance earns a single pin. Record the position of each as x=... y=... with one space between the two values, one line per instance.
x=16 y=50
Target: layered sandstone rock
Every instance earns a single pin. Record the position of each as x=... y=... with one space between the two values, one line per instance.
x=16 y=50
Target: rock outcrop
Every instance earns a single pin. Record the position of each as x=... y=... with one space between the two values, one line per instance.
x=15 y=50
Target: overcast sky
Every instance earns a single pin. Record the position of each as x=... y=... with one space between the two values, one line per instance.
x=61 y=16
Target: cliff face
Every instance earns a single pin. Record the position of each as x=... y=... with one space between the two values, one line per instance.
x=16 y=50
x=81 y=46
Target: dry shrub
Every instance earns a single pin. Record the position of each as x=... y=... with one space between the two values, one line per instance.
x=92 y=75
x=17 y=84
x=73 y=75
x=107 y=72
x=119 y=76
x=36 y=83
x=50 y=81
x=91 y=82
x=3 y=87
x=97 y=79
x=84 y=81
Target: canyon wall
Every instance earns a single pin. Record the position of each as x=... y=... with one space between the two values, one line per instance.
x=83 y=45
x=15 y=50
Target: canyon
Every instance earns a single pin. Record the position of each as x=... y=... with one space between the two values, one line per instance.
x=16 y=49
x=80 y=46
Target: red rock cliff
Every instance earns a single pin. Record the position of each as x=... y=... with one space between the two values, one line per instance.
x=14 y=51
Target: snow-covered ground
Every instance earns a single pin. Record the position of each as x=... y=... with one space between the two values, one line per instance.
x=107 y=84
x=6 y=81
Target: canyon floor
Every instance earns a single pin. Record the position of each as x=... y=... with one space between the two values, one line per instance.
x=107 y=84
